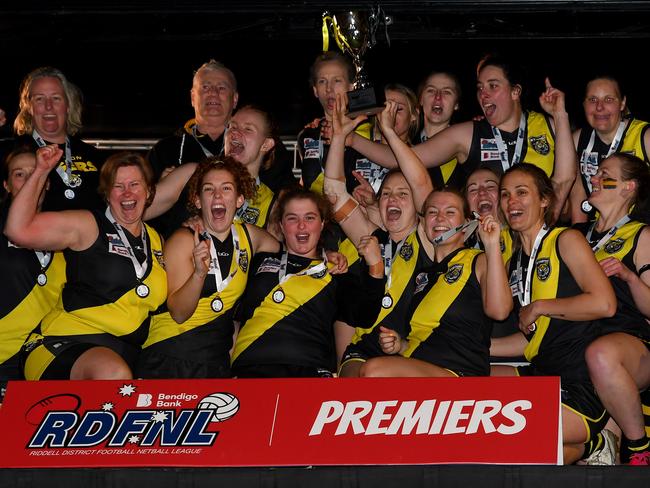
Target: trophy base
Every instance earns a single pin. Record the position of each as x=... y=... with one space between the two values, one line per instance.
x=364 y=101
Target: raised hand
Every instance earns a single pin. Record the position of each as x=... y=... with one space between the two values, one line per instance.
x=201 y=255
x=489 y=231
x=552 y=99
x=341 y=124
x=363 y=193
x=47 y=157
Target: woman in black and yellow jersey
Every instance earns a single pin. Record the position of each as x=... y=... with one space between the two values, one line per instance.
x=559 y=290
x=250 y=139
x=114 y=276
x=32 y=279
x=206 y=275
x=404 y=244
x=454 y=301
x=611 y=129
x=290 y=302
x=619 y=360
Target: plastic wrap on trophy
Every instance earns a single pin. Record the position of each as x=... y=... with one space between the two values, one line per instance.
x=354 y=32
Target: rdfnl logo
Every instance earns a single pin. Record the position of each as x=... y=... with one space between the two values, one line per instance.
x=186 y=427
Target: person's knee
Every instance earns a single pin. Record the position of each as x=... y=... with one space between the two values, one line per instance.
x=100 y=363
x=373 y=368
x=600 y=357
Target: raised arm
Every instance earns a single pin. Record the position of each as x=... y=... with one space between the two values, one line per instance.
x=187 y=262
x=414 y=171
x=353 y=221
x=54 y=231
x=565 y=168
x=453 y=142
x=495 y=291
x=168 y=189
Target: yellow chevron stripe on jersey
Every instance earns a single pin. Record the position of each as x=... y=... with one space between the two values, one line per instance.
x=544 y=289
x=17 y=324
x=259 y=207
x=349 y=250
x=538 y=130
x=621 y=243
x=633 y=140
x=163 y=326
x=118 y=318
x=401 y=272
x=506 y=244
x=441 y=296
x=448 y=168
x=298 y=290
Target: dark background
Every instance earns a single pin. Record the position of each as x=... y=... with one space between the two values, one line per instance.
x=134 y=60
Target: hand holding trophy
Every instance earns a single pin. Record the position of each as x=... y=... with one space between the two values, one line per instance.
x=354 y=33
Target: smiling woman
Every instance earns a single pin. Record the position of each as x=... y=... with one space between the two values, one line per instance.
x=114 y=277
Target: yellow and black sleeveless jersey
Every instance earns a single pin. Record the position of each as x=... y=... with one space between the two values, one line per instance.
x=622 y=246
x=505 y=242
x=23 y=301
x=100 y=297
x=86 y=164
x=256 y=211
x=448 y=327
x=207 y=335
x=314 y=155
x=291 y=323
x=538 y=148
x=557 y=346
x=632 y=144
x=448 y=174
x=407 y=264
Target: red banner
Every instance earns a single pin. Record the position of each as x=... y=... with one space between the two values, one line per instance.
x=290 y=422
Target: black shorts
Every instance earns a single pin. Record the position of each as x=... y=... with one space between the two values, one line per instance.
x=154 y=364
x=52 y=358
x=580 y=397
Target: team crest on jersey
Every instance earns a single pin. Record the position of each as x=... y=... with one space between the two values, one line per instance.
x=421 y=281
x=160 y=257
x=250 y=215
x=453 y=273
x=614 y=245
x=406 y=252
x=540 y=144
x=243 y=260
x=543 y=268
x=116 y=246
x=269 y=265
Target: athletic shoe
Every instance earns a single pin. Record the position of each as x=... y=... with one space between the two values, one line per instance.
x=606 y=455
x=640 y=459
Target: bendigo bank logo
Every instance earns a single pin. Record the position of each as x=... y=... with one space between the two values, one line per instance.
x=184 y=420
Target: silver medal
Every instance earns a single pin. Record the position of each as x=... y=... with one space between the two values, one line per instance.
x=586 y=206
x=142 y=290
x=41 y=279
x=278 y=296
x=387 y=301
x=217 y=305
x=69 y=194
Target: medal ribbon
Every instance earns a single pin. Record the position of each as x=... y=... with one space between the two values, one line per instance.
x=387 y=255
x=44 y=258
x=284 y=260
x=469 y=227
x=528 y=284
x=621 y=222
x=618 y=137
x=503 y=149
x=218 y=277
x=140 y=268
x=66 y=175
